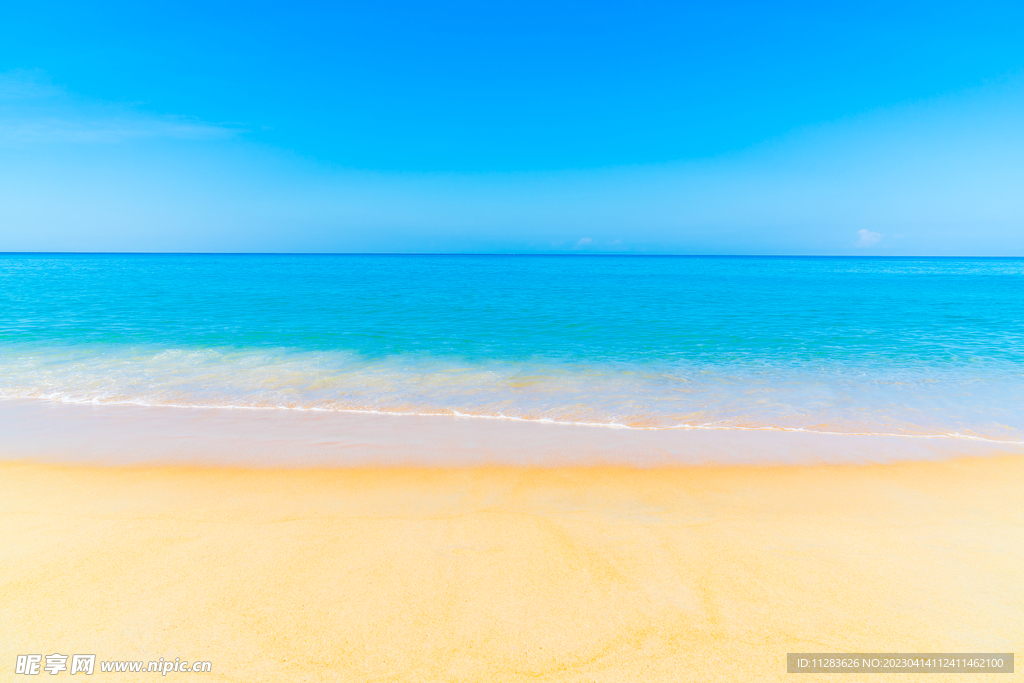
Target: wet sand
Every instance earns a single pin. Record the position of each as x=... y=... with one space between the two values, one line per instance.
x=45 y=431
x=601 y=573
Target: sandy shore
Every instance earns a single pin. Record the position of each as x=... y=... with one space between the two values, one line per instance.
x=495 y=574
x=66 y=433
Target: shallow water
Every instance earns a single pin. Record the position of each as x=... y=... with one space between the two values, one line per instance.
x=866 y=346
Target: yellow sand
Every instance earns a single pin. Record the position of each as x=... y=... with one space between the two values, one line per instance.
x=495 y=574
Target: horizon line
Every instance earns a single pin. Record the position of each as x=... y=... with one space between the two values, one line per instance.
x=470 y=254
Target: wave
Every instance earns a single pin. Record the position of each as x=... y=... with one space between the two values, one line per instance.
x=603 y=425
x=981 y=402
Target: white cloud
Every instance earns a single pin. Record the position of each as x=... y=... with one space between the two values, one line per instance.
x=20 y=131
x=27 y=84
x=584 y=241
x=34 y=111
x=866 y=238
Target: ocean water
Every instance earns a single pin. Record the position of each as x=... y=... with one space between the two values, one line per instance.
x=905 y=346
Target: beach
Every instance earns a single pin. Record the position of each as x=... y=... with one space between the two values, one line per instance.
x=504 y=573
x=429 y=468
x=511 y=343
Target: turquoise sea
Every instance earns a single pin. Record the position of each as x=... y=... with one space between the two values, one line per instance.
x=923 y=346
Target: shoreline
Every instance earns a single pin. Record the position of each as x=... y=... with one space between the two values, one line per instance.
x=601 y=573
x=45 y=431
x=500 y=418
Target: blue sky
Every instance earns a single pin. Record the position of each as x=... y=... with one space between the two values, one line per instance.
x=589 y=127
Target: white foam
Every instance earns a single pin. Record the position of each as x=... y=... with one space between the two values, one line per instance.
x=984 y=404
x=107 y=434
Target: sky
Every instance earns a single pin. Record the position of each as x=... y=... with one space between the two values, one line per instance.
x=728 y=128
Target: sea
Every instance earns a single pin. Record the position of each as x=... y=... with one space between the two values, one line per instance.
x=881 y=346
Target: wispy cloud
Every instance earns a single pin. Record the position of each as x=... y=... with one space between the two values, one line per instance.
x=866 y=238
x=34 y=111
x=937 y=178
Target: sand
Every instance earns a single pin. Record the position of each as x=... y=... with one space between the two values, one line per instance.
x=49 y=431
x=511 y=574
